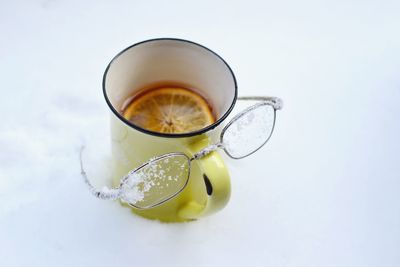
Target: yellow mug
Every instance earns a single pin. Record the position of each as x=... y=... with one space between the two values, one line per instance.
x=174 y=61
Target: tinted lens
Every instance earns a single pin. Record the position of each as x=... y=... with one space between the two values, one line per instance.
x=156 y=181
x=249 y=131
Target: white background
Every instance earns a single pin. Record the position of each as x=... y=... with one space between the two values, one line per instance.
x=325 y=191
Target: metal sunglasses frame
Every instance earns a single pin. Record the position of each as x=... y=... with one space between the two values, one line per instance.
x=117 y=193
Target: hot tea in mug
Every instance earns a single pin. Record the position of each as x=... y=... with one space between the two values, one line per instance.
x=169 y=100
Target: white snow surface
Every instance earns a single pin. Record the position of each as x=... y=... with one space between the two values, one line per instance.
x=325 y=190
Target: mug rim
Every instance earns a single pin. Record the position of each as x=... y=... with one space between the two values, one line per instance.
x=169 y=135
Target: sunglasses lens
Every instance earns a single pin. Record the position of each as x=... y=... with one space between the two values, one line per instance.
x=249 y=131
x=157 y=181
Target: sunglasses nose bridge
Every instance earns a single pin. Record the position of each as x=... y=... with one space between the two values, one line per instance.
x=206 y=151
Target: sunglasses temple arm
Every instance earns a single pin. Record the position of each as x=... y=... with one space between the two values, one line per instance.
x=105 y=193
x=275 y=101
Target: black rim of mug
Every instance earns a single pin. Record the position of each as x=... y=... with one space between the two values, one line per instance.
x=173 y=135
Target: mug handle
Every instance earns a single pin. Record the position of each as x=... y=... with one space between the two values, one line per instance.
x=216 y=179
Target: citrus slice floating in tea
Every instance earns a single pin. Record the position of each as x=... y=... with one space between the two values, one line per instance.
x=170 y=110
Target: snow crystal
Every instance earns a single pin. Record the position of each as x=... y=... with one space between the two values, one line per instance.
x=130 y=190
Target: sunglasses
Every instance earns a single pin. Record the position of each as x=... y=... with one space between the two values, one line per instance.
x=164 y=177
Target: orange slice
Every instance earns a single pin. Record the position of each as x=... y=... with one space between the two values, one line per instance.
x=170 y=110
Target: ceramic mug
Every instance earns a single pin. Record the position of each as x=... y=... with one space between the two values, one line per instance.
x=181 y=62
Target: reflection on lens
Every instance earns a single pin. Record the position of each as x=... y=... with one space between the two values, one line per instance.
x=249 y=131
x=157 y=181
